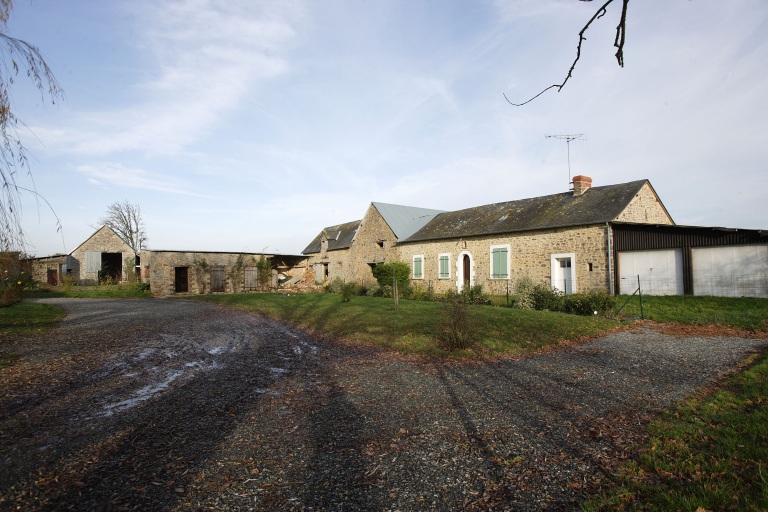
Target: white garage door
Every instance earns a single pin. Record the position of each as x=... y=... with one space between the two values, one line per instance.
x=661 y=272
x=735 y=271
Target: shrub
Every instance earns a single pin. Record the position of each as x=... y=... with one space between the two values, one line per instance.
x=456 y=322
x=530 y=295
x=385 y=272
x=374 y=290
x=475 y=295
x=335 y=286
x=348 y=290
x=417 y=292
x=589 y=303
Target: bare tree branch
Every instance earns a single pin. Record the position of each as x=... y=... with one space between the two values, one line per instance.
x=125 y=220
x=618 y=43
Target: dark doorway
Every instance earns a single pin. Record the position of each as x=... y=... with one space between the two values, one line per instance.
x=182 y=279
x=111 y=266
x=53 y=277
x=466 y=269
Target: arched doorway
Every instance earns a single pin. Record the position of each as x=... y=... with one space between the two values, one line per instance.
x=464 y=271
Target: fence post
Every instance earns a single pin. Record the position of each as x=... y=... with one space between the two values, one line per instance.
x=640 y=293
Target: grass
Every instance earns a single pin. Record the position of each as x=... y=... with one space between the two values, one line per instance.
x=417 y=327
x=742 y=312
x=26 y=319
x=112 y=291
x=710 y=453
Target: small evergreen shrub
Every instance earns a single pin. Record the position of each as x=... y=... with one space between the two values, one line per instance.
x=589 y=303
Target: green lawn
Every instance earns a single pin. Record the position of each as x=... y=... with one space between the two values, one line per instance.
x=743 y=312
x=417 y=326
x=709 y=453
x=113 y=291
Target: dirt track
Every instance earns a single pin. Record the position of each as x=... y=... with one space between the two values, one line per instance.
x=175 y=405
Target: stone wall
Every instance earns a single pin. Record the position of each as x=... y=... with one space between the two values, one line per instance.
x=161 y=266
x=645 y=208
x=39 y=268
x=103 y=240
x=530 y=255
x=374 y=243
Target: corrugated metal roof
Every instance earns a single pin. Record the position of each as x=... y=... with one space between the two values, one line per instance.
x=339 y=236
x=405 y=220
x=597 y=205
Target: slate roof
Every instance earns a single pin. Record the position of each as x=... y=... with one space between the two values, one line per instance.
x=405 y=220
x=596 y=206
x=340 y=236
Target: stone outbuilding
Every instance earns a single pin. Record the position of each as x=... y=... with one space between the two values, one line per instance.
x=102 y=257
x=202 y=272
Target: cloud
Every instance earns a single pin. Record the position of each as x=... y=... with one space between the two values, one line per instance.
x=119 y=175
x=205 y=58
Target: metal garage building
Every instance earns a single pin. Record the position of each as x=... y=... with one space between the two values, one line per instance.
x=675 y=260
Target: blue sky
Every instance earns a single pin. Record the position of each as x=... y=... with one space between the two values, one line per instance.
x=244 y=126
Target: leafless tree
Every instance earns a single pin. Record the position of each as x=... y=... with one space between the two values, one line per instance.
x=16 y=56
x=618 y=42
x=125 y=220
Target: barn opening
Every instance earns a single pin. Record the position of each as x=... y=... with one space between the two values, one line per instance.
x=111 y=266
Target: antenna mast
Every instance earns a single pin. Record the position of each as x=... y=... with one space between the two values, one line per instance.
x=567 y=139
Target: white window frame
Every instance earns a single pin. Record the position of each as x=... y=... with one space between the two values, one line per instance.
x=490 y=255
x=447 y=257
x=419 y=257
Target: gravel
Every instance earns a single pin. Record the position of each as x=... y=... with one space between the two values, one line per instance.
x=177 y=405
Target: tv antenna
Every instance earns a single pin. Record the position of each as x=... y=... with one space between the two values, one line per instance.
x=567 y=139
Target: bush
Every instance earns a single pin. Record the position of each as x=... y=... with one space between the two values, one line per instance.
x=475 y=295
x=385 y=272
x=589 y=303
x=348 y=290
x=374 y=290
x=456 y=322
x=530 y=295
x=335 y=286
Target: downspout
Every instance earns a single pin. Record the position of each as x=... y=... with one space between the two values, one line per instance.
x=610 y=259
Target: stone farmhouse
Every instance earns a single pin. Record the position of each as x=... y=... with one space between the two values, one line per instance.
x=608 y=238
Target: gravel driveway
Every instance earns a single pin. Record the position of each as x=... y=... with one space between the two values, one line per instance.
x=178 y=405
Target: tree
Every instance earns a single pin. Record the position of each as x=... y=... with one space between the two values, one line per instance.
x=125 y=220
x=618 y=42
x=16 y=56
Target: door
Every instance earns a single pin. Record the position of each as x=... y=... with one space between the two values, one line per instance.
x=733 y=271
x=181 y=280
x=251 y=279
x=661 y=272
x=466 y=269
x=218 y=279
x=53 y=277
x=562 y=279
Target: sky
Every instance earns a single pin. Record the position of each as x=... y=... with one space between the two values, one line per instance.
x=251 y=125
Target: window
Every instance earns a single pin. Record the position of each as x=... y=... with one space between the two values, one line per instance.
x=444 y=266
x=500 y=262
x=418 y=267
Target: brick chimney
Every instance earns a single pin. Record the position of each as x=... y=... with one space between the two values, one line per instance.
x=581 y=184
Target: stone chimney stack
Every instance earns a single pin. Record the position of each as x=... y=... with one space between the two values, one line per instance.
x=581 y=184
